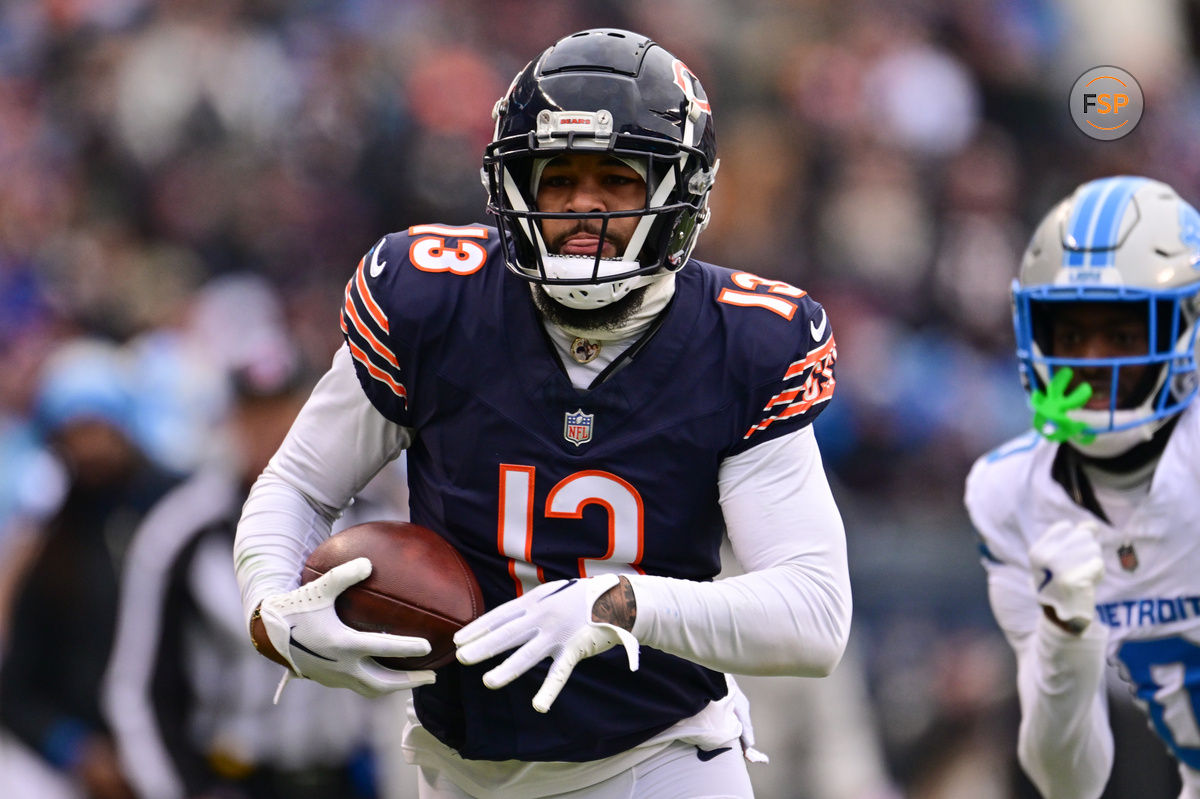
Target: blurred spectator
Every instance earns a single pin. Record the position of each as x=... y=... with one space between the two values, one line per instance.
x=31 y=480
x=919 y=96
x=875 y=229
x=189 y=700
x=982 y=239
x=62 y=623
x=234 y=323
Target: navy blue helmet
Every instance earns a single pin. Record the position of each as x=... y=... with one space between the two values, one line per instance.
x=612 y=91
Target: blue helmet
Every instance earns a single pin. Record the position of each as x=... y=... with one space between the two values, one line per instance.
x=1115 y=240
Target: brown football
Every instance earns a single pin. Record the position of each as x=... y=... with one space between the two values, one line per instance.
x=419 y=585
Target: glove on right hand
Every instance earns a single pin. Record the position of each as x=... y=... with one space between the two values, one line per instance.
x=305 y=629
x=1067 y=565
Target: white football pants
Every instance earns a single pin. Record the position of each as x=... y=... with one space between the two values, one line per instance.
x=677 y=772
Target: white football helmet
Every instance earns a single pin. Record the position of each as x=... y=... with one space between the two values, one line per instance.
x=1119 y=239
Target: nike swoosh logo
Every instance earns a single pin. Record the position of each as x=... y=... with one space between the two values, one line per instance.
x=1046 y=580
x=560 y=588
x=376 y=266
x=293 y=642
x=705 y=756
x=818 y=332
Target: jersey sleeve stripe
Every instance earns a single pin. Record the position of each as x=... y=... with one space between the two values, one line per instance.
x=813 y=356
x=364 y=293
x=383 y=377
x=817 y=388
x=364 y=332
x=366 y=347
x=783 y=398
x=823 y=395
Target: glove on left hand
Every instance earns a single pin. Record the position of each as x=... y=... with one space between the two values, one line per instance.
x=553 y=620
x=1067 y=564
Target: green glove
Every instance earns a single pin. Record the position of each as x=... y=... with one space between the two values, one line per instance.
x=1051 y=406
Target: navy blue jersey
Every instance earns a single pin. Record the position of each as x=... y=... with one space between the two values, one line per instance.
x=534 y=480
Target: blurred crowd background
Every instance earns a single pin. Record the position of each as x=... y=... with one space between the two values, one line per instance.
x=189 y=183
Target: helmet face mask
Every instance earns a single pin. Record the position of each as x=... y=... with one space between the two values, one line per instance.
x=1115 y=243
x=612 y=92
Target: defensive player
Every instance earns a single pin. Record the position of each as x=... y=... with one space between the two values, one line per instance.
x=586 y=411
x=1091 y=536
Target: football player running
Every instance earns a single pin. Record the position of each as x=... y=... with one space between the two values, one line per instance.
x=586 y=412
x=1089 y=524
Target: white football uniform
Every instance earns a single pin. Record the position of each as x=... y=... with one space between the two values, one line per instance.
x=1147 y=622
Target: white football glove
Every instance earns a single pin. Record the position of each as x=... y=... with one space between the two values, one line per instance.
x=1067 y=565
x=741 y=711
x=553 y=620
x=305 y=629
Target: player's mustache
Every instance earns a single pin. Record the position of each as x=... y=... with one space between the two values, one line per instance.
x=589 y=227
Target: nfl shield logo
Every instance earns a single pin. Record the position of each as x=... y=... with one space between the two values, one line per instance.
x=1128 y=557
x=577 y=427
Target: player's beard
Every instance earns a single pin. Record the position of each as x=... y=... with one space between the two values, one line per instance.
x=607 y=320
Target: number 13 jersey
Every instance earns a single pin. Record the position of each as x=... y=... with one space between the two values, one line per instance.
x=534 y=480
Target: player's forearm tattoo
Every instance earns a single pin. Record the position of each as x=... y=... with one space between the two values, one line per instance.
x=616 y=606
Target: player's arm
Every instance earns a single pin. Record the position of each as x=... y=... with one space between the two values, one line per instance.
x=1064 y=741
x=338 y=442
x=790 y=612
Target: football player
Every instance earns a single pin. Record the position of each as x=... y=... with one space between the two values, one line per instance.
x=1090 y=534
x=586 y=411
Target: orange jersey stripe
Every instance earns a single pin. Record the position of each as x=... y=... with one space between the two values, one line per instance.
x=366 y=333
x=377 y=373
x=795 y=407
x=808 y=360
x=793 y=410
x=368 y=301
x=782 y=398
x=802 y=406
